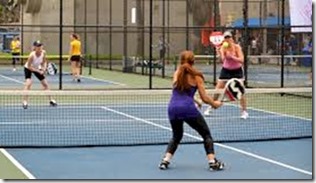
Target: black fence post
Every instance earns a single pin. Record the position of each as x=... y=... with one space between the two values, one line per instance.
x=282 y=42
x=22 y=34
x=110 y=36
x=60 y=44
x=187 y=25
x=214 y=48
x=150 y=41
x=164 y=38
x=125 y=16
x=97 y=33
x=245 y=40
x=90 y=65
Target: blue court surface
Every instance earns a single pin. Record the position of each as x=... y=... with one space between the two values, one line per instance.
x=261 y=75
x=13 y=80
x=119 y=124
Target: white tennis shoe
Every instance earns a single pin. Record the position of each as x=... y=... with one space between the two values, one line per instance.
x=208 y=111
x=244 y=115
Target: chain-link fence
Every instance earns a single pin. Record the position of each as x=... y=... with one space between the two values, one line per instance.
x=136 y=42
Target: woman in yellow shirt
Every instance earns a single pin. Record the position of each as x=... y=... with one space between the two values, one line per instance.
x=75 y=56
x=15 y=51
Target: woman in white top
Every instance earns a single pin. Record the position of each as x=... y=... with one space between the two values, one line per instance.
x=36 y=64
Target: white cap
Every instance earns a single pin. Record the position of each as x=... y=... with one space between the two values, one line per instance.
x=227 y=33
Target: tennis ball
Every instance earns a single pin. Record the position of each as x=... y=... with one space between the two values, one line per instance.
x=225 y=44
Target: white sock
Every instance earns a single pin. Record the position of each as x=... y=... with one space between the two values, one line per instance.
x=166 y=158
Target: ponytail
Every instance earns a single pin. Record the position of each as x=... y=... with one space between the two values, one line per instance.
x=182 y=79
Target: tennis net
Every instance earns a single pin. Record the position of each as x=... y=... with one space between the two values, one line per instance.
x=139 y=117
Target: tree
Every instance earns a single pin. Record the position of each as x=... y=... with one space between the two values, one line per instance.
x=204 y=12
x=9 y=11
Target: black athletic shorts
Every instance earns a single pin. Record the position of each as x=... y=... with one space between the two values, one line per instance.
x=15 y=58
x=75 y=58
x=227 y=74
x=28 y=74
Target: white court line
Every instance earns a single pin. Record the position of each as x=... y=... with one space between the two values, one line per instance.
x=59 y=106
x=11 y=79
x=88 y=77
x=122 y=120
x=158 y=118
x=274 y=113
x=17 y=164
x=103 y=80
x=92 y=78
x=74 y=121
x=228 y=104
x=220 y=145
x=279 y=114
x=22 y=123
x=5 y=153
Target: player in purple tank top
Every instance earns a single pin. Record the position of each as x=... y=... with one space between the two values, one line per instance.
x=186 y=81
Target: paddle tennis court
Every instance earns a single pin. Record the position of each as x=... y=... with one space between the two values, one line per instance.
x=114 y=136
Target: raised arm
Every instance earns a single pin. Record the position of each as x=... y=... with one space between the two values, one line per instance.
x=221 y=53
x=239 y=54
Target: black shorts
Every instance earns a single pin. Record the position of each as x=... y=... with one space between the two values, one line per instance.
x=28 y=74
x=75 y=58
x=227 y=74
x=15 y=57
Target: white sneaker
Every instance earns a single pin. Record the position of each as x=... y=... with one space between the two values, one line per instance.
x=24 y=105
x=244 y=115
x=208 y=111
x=14 y=69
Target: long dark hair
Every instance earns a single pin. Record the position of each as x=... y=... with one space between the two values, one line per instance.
x=186 y=68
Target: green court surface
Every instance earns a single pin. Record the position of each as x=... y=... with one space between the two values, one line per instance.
x=8 y=170
x=128 y=80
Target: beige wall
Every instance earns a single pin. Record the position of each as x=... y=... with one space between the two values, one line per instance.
x=177 y=18
x=48 y=15
x=74 y=13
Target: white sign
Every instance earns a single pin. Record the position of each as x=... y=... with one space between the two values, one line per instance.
x=301 y=13
x=133 y=15
x=216 y=38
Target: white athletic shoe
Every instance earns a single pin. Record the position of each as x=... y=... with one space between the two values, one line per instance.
x=244 y=115
x=14 y=69
x=52 y=103
x=24 y=105
x=208 y=111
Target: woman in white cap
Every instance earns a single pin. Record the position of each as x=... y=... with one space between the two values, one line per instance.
x=36 y=64
x=232 y=58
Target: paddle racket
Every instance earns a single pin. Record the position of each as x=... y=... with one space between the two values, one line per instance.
x=234 y=90
x=51 y=68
